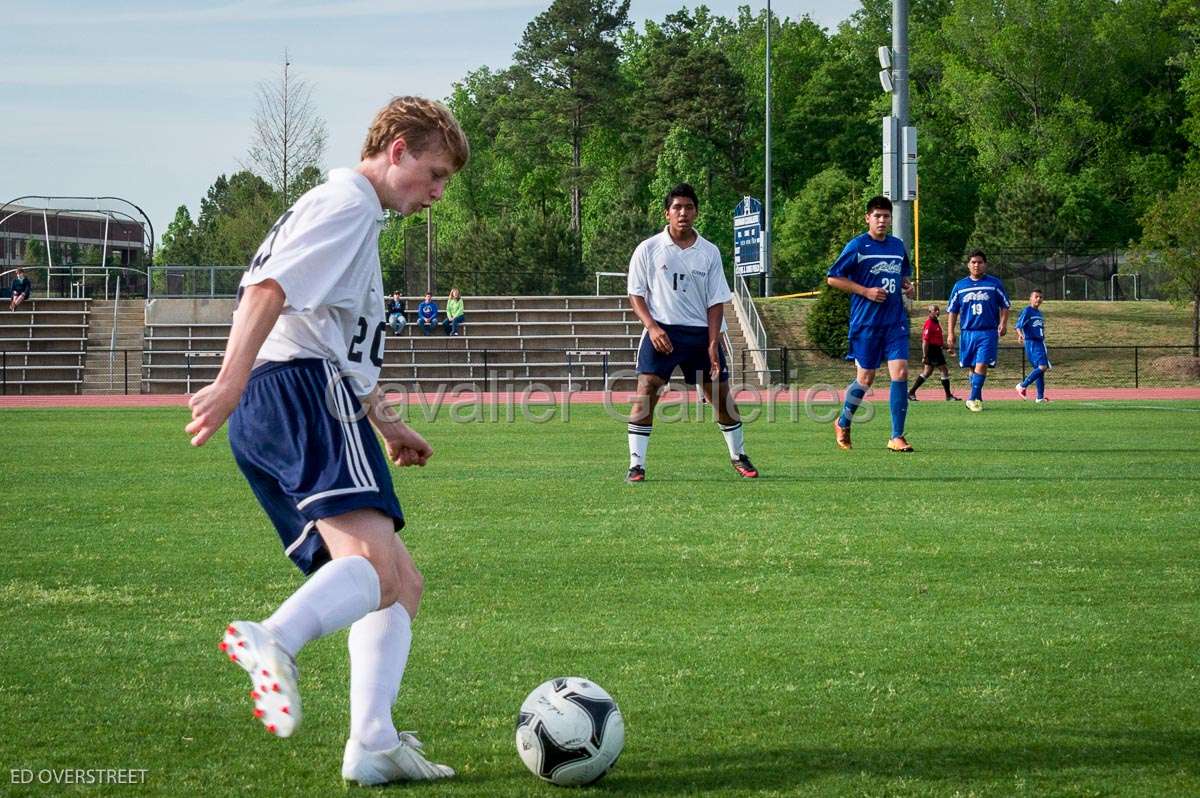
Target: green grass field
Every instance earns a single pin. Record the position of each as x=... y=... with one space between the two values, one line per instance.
x=1012 y=611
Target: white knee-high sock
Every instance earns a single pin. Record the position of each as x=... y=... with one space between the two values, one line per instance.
x=734 y=439
x=379 y=645
x=337 y=595
x=639 y=441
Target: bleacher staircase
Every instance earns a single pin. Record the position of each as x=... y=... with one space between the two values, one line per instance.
x=109 y=370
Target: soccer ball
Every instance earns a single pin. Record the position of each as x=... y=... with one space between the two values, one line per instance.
x=569 y=731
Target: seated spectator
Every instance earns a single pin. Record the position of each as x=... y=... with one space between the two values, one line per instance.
x=21 y=288
x=427 y=314
x=395 y=313
x=454 y=312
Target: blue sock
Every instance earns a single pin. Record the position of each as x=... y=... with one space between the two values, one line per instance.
x=977 y=385
x=899 y=405
x=854 y=397
x=1041 y=384
x=1030 y=378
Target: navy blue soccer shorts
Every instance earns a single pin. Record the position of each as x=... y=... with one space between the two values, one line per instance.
x=871 y=347
x=293 y=436
x=1036 y=353
x=978 y=346
x=689 y=352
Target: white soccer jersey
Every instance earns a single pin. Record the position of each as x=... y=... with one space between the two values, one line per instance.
x=679 y=285
x=324 y=253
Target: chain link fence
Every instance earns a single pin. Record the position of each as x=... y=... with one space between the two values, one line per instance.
x=1073 y=366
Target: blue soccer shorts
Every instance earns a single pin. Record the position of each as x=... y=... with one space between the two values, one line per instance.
x=1035 y=353
x=689 y=352
x=978 y=346
x=296 y=438
x=871 y=347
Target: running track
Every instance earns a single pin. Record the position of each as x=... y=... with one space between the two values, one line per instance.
x=618 y=397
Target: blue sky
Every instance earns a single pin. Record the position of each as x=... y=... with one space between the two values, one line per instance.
x=151 y=100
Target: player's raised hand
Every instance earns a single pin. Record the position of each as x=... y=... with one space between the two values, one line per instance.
x=211 y=406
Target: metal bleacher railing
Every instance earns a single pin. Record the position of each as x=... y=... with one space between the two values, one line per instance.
x=486 y=370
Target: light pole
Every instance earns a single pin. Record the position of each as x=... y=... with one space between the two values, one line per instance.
x=766 y=249
x=899 y=139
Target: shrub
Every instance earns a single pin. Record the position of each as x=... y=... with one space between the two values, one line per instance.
x=828 y=323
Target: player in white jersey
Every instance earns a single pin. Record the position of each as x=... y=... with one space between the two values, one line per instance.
x=299 y=387
x=677 y=289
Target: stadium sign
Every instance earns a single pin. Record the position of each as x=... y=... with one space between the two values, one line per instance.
x=748 y=238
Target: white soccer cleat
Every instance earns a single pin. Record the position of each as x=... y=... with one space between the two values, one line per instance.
x=974 y=405
x=405 y=762
x=273 y=675
x=1022 y=391
x=1041 y=401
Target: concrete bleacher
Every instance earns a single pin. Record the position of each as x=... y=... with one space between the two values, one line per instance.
x=506 y=343
x=44 y=346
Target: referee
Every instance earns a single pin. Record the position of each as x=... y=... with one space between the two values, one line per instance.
x=932 y=355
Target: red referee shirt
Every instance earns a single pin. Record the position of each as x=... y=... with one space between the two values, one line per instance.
x=932 y=334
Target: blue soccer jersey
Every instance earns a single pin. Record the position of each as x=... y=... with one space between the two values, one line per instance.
x=875 y=264
x=1031 y=324
x=978 y=302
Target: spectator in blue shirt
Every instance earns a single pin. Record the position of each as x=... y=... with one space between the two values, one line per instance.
x=21 y=288
x=427 y=313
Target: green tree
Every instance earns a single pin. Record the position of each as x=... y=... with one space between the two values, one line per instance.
x=570 y=53
x=235 y=214
x=814 y=226
x=1171 y=241
x=179 y=242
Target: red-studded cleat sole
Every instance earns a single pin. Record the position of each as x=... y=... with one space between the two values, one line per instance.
x=272 y=673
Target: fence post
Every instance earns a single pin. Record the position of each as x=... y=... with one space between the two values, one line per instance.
x=4 y=370
x=787 y=376
x=125 y=368
x=485 y=370
x=1136 y=381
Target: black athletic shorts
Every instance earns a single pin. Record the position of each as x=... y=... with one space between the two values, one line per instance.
x=935 y=356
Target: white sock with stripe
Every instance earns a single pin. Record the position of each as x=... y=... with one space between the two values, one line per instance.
x=639 y=441
x=735 y=439
x=379 y=644
x=337 y=595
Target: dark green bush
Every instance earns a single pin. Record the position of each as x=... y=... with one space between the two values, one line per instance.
x=828 y=323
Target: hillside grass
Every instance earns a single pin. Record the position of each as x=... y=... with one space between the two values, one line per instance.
x=1078 y=337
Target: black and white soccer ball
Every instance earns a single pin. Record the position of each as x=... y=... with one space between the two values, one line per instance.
x=570 y=731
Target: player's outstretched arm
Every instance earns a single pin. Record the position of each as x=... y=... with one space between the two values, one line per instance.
x=257 y=313
x=1003 y=321
x=850 y=287
x=951 y=320
x=404 y=446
